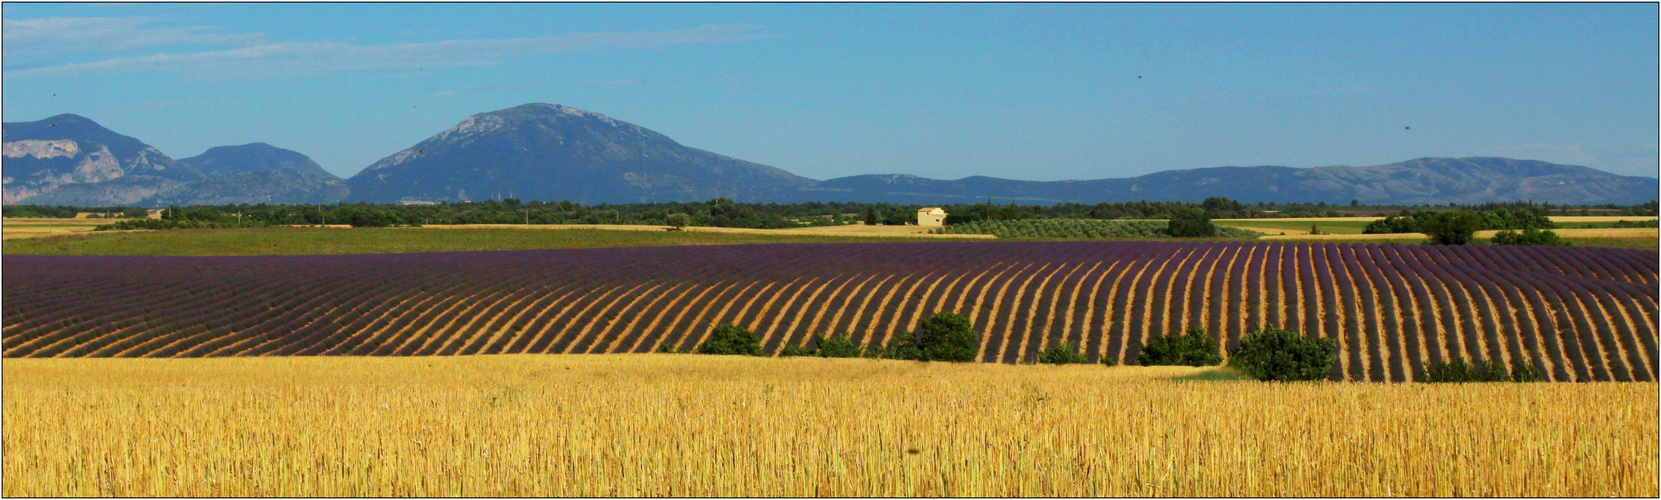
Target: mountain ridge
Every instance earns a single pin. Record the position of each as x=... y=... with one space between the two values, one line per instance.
x=551 y=152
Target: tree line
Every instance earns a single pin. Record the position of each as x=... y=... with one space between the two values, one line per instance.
x=722 y=212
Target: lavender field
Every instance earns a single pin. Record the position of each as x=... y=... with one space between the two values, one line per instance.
x=1582 y=314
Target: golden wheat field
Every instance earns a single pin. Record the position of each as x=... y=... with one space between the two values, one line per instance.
x=651 y=424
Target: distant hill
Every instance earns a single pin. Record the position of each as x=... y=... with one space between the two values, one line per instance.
x=256 y=157
x=42 y=156
x=1419 y=181
x=71 y=160
x=553 y=152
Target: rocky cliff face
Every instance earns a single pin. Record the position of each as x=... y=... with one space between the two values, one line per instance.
x=71 y=160
x=44 y=156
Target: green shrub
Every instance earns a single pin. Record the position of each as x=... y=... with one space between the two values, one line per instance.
x=1392 y=224
x=792 y=351
x=729 y=339
x=1457 y=370
x=837 y=347
x=944 y=336
x=1191 y=224
x=1192 y=349
x=1275 y=354
x=1529 y=236
x=1077 y=229
x=667 y=348
x=1062 y=354
x=1451 y=228
x=1109 y=361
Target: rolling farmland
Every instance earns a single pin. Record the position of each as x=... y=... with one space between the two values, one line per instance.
x=1580 y=313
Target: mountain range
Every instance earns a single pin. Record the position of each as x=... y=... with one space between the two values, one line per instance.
x=552 y=152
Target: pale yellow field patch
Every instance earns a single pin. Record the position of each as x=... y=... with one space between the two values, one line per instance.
x=13 y=228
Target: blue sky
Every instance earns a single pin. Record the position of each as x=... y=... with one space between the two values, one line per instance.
x=1041 y=92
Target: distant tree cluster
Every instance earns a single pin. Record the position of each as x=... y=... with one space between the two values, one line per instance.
x=1459 y=227
x=722 y=212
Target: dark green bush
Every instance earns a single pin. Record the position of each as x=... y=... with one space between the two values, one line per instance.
x=944 y=336
x=1109 y=361
x=1529 y=236
x=1457 y=370
x=1194 y=348
x=729 y=339
x=667 y=348
x=1062 y=354
x=1191 y=224
x=837 y=347
x=1275 y=354
x=791 y=351
x=1391 y=224
x=1451 y=228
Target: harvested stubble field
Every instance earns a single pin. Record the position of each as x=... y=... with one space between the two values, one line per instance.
x=728 y=426
x=1581 y=314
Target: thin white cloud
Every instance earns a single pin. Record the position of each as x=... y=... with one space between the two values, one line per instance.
x=79 y=35
x=327 y=57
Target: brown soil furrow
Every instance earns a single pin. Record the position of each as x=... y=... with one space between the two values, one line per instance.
x=737 y=317
x=444 y=297
x=1031 y=322
x=523 y=340
x=1044 y=327
x=835 y=301
x=585 y=318
x=862 y=323
x=1147 y=298
x=555 y=325
x=1589 y=329
x=1178 y=308
x=979 y=316
x=915 y=314
x=1243 y=316
x=1620 y=334
x=1384 y=323
x=761 y=315
x=507 y=333
x=1210 y=300
x=1527 y=319
x=1473 y=321
x=1087 y=330
x=862 y=294
x=608 y=316
x=160 y=345
x=1217 y=319
x=462 y=335
x=1007 y=320
x=1122 y=334
x=1445 y=319
x=889 y=305
x=677 y=302
x=634 y=328
x=796 y=319
x=705 y=324
x=421 y=336
x=1349 y=347
x=703 y=307
x=1076 y=295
